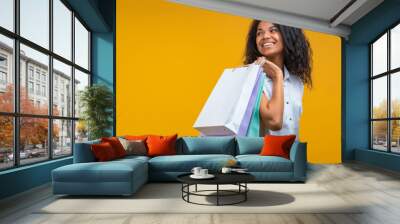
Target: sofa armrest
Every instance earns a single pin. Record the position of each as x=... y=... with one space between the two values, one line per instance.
x=298 y=155
x=83 y=152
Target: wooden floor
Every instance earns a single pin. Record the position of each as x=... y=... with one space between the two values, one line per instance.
x=377 y=188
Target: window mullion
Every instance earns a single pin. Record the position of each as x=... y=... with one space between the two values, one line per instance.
x=371 y=142
x=50 y=79
x=73 y=82
x=389 y=102
x=16 y=70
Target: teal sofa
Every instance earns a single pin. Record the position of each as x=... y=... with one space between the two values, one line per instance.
x=125 y=176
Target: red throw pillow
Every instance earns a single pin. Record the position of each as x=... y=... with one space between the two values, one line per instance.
x=277 y=145
x=103 y=152
x=116 y=145
x=161 y=145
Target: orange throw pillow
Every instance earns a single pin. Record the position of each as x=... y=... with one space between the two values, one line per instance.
x=103 y=152
x=277 y=145
x=161 y=145
x=116 y=145
x=132 y=137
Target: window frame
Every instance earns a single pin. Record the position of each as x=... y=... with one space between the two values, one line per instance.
x=388 y=74
x=16 y=115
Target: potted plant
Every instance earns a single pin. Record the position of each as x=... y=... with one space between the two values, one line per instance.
x=96 y=102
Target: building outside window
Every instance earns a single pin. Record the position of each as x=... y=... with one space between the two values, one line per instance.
x=3 y=78
x=3 y=72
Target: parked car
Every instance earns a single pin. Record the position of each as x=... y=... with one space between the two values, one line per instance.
x=22 y=155
x=10 y=156
x=57 y=152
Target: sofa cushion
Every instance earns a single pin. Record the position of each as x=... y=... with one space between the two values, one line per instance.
x=133 y=158
x=207 y=145
x=249 y=145
x=257 y=163
x=83 y=152
x=136 y=137
x=112 y=171
x=103 y=152
x=161 y=145
x=185 y=163
x=116 y=145
x=134 y=147
x=277 y=145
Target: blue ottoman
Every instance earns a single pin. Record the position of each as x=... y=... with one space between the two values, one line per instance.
x=118 y=177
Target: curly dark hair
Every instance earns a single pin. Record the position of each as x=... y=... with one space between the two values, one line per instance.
x=297 y=51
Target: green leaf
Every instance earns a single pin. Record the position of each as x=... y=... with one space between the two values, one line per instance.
x=96 y=102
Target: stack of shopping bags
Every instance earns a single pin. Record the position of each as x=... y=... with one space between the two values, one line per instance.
x=233 y=106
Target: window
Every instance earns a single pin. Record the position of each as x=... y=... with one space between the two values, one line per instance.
x=62 y=74
x=62 y=31
x=81 y=81
x=385 y=94
x=7 y=141
x=6 y=73
x=44 y=91
x=3 y=78
x=395 y=47
x=34 y=21
x=81 y=45
x=30 y=87
x=55 y=102
x=62 y=137
x=33 y=148
x=37 y=89
x=7 y=14
x=44 y=117
x=3 y=61
x=30 y=72
x=40 y=63
x=3 y=72
x=37 y=74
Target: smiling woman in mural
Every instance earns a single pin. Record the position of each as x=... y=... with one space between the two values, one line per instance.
x=284 y=53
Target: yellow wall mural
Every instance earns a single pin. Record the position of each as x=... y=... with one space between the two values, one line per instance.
x=170 y=56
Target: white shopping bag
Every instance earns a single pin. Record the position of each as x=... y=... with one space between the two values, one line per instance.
x=226 y=106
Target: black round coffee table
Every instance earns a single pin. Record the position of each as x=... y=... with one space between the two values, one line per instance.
x=238 y=179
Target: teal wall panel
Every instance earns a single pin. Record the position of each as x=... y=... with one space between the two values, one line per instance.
x=102 y=59
x=24 y=178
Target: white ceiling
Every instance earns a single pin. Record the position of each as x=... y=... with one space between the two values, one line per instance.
x=322 y=9
x=327 y=16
